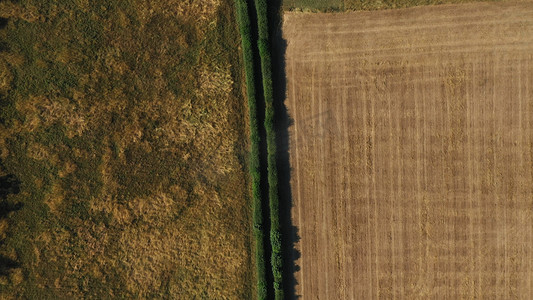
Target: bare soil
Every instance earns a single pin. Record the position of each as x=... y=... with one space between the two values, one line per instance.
x=412 y=151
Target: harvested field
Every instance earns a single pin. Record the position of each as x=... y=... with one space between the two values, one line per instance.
x=412 y=151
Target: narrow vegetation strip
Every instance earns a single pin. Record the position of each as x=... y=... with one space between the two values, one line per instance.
x=354 y=5
x=263 y=48
x=247 y=50
x=263 y=43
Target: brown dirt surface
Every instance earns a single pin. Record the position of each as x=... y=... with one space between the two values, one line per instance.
x=412 y=152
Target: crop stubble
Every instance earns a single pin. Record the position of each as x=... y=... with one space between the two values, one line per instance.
x=412 y=151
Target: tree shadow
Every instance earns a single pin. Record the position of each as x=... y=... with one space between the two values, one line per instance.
x=9 y=184
x=283 y=121
x=3 y=22
x=6 y=265
x=4 y=47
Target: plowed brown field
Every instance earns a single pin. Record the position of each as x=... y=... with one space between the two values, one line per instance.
x=412 y=152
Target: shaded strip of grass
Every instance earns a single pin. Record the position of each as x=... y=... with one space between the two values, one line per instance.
x=263 y=43
x=247 y=50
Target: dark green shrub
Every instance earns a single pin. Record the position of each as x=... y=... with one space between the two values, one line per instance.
x=247 y=50
x=263 y=45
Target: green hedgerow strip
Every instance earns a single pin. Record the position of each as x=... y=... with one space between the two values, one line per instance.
x=247 y=50
x=263 y=44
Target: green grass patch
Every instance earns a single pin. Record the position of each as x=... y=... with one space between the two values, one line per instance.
x=314 y=5
x=391 y=4
x=349 y=5
x=263 y=44
x=254 y=160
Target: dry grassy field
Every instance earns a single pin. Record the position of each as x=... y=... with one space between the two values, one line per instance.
x=412 y=151
x=124 y=124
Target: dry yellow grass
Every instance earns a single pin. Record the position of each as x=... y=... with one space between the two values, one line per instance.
x=124 y=122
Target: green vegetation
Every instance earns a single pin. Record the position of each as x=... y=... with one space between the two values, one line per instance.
x=263 y=43
x=314 y=5
x=122 y=121
x=389 y=4
x=247 y=49
x=262 y=52
x=348 y=5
